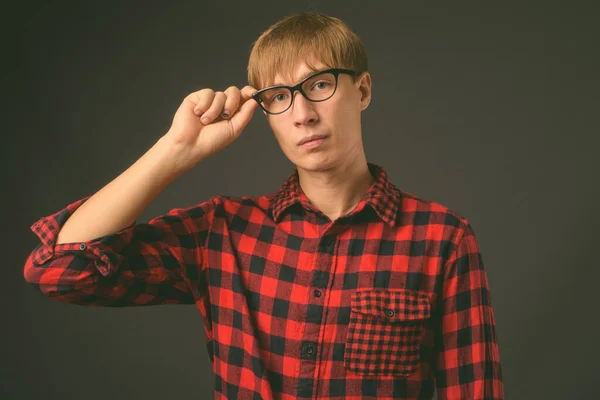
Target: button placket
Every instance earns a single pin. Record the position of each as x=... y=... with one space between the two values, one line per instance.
x=320 y=278
x=327 y=243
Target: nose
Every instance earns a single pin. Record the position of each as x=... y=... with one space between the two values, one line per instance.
x=303 y=111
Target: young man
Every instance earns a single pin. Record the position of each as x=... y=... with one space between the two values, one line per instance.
x=337 y=285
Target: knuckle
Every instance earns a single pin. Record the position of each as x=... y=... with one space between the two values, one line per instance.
x=205 y=92
x=206 y=96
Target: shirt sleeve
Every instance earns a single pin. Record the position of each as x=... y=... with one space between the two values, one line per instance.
x=142 y=264
x=468 y=361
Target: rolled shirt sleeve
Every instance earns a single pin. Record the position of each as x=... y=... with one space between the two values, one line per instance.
x=104 y=250
x=142 y=264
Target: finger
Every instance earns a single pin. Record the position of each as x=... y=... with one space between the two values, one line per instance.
x=244 y=115
x=202 y=100
x=232 y=103
x=215 y=108
x=246 y=92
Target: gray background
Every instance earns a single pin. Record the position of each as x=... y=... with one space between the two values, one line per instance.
x=488 y=109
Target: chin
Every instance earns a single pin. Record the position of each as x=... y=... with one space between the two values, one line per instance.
x=315 y=162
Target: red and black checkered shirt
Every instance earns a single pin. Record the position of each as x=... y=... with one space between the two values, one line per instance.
x=387 y=302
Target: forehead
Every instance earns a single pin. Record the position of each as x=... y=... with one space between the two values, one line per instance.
x=300 y=71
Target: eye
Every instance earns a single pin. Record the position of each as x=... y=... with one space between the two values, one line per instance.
x=323 y=85
x=278 y=97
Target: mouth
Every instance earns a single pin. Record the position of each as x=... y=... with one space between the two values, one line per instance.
x=312 y=140
x=313 y=144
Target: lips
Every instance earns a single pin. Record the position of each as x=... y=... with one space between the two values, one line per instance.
x=310 y=139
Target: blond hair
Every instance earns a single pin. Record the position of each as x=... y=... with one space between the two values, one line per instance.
x=306 y=36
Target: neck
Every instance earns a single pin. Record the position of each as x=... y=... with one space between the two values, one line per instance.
x=337 y=191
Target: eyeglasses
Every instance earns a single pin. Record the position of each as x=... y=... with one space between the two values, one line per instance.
x=319 y=86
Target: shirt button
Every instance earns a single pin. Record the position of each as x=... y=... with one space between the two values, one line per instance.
x=327 y=243
x=317 y=293
x=389 y=312
x=82 y=246
x=308 y=351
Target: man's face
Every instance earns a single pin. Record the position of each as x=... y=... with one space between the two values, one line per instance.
x=337 y=117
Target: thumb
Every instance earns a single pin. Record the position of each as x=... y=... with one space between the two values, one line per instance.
x=240 y=119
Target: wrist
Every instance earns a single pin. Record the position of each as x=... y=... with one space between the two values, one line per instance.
x=167 y=159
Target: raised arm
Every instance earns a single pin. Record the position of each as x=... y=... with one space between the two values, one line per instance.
x=93 y=253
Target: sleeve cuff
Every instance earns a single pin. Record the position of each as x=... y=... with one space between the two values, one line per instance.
x=105 y=250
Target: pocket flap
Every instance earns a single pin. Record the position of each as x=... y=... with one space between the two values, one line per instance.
x=395 y=305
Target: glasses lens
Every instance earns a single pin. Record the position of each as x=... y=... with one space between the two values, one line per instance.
x=275 y=100
x=318 y=88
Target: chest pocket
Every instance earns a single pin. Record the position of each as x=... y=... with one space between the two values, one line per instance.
x=385 y=331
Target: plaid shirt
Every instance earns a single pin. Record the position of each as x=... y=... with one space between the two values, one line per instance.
x=387 y=302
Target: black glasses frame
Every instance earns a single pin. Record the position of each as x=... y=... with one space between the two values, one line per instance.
x=298 y=87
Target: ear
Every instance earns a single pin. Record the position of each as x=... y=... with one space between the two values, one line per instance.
x=364 y=84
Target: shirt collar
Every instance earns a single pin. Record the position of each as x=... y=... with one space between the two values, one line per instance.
x=383 y=197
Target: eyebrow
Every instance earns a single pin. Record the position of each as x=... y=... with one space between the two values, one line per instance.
x=305 y=75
